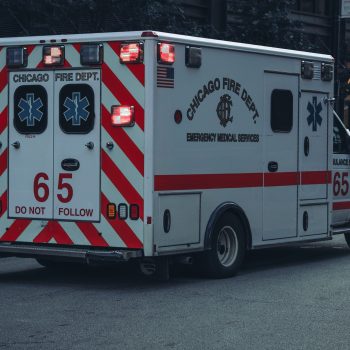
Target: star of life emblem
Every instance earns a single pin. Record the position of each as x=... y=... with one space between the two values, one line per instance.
x=314 y=117
x=30 y=109
x=76 y=109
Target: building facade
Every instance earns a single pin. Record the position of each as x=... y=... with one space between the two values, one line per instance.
x=319 y=20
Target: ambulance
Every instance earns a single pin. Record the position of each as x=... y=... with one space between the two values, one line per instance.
x=159 y=148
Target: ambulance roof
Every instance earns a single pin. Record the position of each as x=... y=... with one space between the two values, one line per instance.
x=176 y=38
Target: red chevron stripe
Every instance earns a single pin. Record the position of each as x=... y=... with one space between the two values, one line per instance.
x=15 y=230
x=3 y=119
x=138 y=70
x=91 y=234
x=3 y=162
x=122 y=94
x=121 y=228
x=3 y=79
x=77 y=47
x=3 y=202
x=121 y=182
x=30 y=48
x=123 y=140
x=53 y=230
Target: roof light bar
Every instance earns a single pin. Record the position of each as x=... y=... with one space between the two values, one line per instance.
x=91 y=54
x=122 y=116
x=166 y=53
x=53 y=55
x=131 y=53
x=16 y=57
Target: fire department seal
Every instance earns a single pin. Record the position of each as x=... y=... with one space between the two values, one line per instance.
x=223 y=110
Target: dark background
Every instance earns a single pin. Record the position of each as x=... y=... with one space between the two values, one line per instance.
x=310 y=25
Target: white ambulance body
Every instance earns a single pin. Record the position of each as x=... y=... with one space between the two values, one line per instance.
x=150 y=145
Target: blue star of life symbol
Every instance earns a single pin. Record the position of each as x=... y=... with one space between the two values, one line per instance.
x=76 y=109
x=314 y=117
x=30 y=109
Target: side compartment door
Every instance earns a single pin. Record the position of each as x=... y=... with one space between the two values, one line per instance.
x=313 y=152
x=77 y=145
x=280 y=156
x=30 y=145
x=341 y=174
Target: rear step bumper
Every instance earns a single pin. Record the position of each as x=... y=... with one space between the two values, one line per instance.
x=336 y=230
x=82 y=254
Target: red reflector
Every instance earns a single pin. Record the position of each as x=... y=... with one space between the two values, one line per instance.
x=111 y=211
x=122 y=115
x=134 y=212
x=53 y=55
x=166 y=53
x=131 y=53
x=149 y=34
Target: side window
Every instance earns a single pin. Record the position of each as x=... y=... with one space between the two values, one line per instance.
x=30 y=107
x=339 y=138
x=281 y=110
x=77 y=114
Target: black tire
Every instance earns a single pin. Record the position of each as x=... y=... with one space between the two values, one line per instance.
x=347 y=238
x=228 y=248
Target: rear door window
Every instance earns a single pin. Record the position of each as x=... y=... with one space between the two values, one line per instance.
x=76 y=114
x=30 y=109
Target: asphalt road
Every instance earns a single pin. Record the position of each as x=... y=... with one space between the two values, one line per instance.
x=285 y=298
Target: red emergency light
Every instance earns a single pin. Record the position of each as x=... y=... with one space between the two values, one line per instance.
x=131 y=53
x=166 y=53
x=53 y=55
x=122 y=116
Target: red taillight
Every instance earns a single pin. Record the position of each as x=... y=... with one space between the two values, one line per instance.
x=166 y=53
x=131 y=53
x=53 y=55
x=122 y=115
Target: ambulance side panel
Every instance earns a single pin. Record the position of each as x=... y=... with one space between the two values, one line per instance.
x=225 y=151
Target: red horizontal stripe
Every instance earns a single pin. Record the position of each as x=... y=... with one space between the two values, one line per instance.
x=122 y=228
x=122 y=94
x=138 y=70
x=3 y=162
x=120 y=181
x=212 y=181
x=91 y=234
x=3 y=119
x=316 y=177
x=341 y=205
x=15 y=230
x=123 y=140
x=281 y=179
x=206 y=181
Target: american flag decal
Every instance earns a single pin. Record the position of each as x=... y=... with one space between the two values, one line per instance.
x=165 y=77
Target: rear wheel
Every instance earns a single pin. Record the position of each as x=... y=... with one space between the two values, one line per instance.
x=347 y=238
x=227 y=248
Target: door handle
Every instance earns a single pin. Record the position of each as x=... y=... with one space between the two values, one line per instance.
x=90 y=145
x=272 y=167
x=306 y=146
x=70 y=164
x=16 y=144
